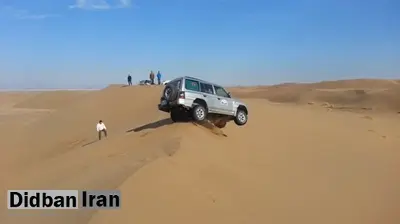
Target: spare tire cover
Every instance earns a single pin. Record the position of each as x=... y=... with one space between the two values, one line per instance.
x=167 y=92
x=170 y=92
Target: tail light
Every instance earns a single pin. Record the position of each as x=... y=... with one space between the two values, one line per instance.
x=181 y=95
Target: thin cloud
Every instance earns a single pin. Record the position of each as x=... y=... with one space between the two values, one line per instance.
x=100 y=4
x=24 y=14
x=125 y=3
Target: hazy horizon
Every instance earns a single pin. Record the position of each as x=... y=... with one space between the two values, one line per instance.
x=123 y=84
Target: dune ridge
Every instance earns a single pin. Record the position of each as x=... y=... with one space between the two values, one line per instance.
x=355 y=95
x=290 y=163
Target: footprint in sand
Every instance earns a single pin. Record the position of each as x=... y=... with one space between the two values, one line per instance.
x=367 y=117
x=382 y=136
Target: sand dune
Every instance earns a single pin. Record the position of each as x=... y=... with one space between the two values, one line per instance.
x=291 y=163
x=52 y=99
x=354 y=95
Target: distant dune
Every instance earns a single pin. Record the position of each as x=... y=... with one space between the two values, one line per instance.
x=303 y=157
x=355 y=95
x=52 y=99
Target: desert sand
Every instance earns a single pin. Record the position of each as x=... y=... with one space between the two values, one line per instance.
x=318 y=153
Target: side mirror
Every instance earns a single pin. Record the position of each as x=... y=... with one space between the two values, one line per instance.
x=229 y=94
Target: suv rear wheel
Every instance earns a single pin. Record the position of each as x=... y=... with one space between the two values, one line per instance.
x=241 y=117
x=179 y=115
x=199 y=113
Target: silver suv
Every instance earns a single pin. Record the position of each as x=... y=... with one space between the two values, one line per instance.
x=188 y=97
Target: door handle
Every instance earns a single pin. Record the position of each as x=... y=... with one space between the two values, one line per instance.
x=204 y=95
x=219 y=98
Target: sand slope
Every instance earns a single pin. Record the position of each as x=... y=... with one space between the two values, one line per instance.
x=289 y=164
x=296 y=166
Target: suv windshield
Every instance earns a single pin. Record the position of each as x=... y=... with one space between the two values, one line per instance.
x=219 y=91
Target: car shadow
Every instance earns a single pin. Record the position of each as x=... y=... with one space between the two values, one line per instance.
x=153 y=125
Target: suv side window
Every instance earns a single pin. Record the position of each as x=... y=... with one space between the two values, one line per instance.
x=206 y=88
x=176 y=83
x=192 y=85
x=219 y=91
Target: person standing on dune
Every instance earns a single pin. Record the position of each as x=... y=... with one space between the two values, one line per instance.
x=101 y=128
x=159 y=77
x=152 y=77
x=129 y=80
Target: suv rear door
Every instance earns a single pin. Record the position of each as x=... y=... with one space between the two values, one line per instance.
x=192 y=91
x=224 y=102
x=208 y=93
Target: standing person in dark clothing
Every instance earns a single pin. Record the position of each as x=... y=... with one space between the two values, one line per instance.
x=159 y=77
x=152 y=77
x=129 y=80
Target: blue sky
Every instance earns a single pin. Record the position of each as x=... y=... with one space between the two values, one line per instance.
x=92 y=43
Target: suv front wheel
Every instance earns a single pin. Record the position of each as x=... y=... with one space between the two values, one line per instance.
x=241 y=117
x=199 y=113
